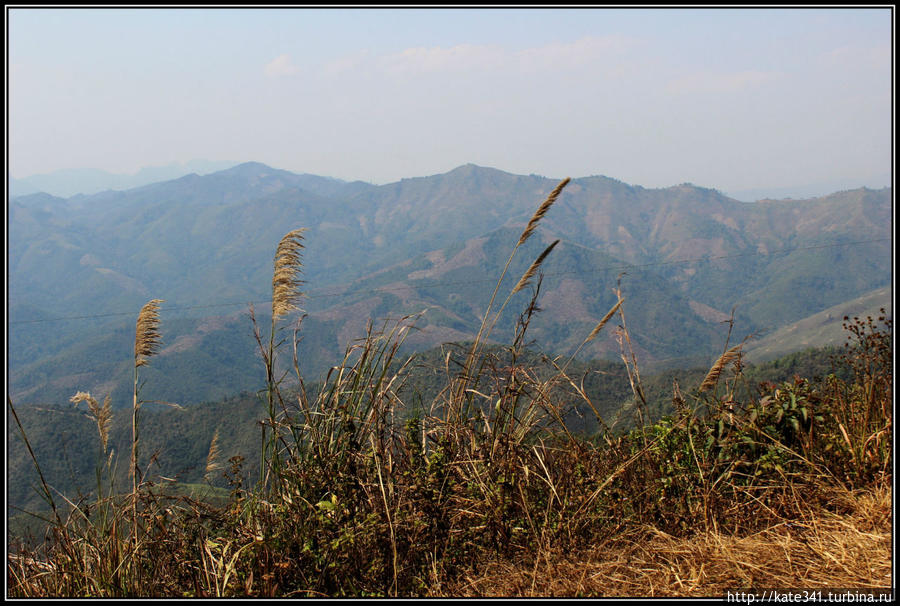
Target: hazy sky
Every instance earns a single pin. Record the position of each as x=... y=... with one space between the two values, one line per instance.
x=724 y=98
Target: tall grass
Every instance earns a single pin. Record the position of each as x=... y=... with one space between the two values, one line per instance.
x=146 y=343
x=286 y=294
x=98 y=548
x=466 y=381
x=361 y=495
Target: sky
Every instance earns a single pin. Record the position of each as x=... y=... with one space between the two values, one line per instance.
x=732 y=99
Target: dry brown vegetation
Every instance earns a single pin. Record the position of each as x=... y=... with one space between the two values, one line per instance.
x=819 y=551
x=486 y=492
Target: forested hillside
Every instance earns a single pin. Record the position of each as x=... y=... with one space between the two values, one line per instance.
x=684 y=256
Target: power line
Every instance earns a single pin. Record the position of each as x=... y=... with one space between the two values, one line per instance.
x=621 y=267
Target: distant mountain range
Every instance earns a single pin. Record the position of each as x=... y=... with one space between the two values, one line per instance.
x=86 y=181
x=81 y=267
x=810 y=190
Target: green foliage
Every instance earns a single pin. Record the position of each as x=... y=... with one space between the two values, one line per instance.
x=179 y=439
x=862 y=407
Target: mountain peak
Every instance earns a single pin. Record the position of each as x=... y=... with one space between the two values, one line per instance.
x=250 y=169
x=470 y=169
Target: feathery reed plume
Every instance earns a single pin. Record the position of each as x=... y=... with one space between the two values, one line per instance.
x=485 y=329
x=605 y=319
x=286 y=294
x=712 y=376
x=593 y=334
x=212 y=459
x=285 y=280
x=147 y=339
x=146 y=343
x=102 y=415
x=526 y=277
x=542 y=210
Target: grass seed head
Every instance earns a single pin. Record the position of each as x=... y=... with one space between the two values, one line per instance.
x=526 y=277
x=147 y=339
x=542 y=210
x=286 y=281
x=605 y=319
x=712 y=376
x=212 y=459
x=102 y=415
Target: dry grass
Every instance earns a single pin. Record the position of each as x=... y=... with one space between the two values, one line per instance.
x=286 y=277
x=532 y=269
x=712 y=377
x=605 y=319
x=212 y=458
x=147 y=339
x=489 y=494
x=821 y=551
x=102 y=415
x=462 y=383
x=541 y=211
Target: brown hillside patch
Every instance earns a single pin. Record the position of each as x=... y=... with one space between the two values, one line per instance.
x=401 y=290
x=353 y=317
x=567 y=302
x=471 y=254
x=710 y=314
x=191 y=340
x=725 y=220
x=695 y=248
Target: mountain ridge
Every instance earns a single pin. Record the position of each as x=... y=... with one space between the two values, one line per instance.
x=201 y=241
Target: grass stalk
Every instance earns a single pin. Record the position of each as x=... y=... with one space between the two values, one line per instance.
x=146 y=343
x=467 y=375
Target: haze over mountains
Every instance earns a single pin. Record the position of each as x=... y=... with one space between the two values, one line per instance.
x=809 y=190
x=205 y=245
x=86 y=181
